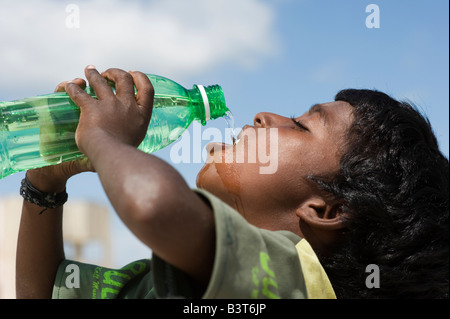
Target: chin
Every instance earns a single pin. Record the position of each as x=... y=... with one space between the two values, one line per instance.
x=207 y=178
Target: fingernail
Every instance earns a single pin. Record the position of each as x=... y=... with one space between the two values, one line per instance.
x=91 y=67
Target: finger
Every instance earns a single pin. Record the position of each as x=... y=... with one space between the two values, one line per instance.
x=82 y=165
x=69 y=169
x=145 y=91
x=61 y=87
x=77 y=94
x=98 y=83
x=123 y=82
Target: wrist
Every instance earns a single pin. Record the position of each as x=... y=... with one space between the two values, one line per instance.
x=48 y=183
x=43 y=199
x=96 y=143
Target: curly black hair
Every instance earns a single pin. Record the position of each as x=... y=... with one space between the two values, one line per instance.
x=394 y=188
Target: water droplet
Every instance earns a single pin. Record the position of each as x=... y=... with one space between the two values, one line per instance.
x=229 y=118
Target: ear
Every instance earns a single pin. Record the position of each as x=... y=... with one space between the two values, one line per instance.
x=320 y=213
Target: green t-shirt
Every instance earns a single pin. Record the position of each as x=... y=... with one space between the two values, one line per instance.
x=249 y=262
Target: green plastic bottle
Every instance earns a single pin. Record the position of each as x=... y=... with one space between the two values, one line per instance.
x=40 y=131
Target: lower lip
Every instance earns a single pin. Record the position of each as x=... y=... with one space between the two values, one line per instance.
x=215 y=146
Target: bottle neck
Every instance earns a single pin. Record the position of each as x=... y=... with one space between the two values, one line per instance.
x=211 y=102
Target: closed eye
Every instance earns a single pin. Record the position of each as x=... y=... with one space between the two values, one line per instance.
x=299 y=124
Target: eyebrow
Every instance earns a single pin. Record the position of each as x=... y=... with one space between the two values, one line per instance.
x=317 y=108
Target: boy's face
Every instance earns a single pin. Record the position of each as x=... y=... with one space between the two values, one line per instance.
x=264 y=175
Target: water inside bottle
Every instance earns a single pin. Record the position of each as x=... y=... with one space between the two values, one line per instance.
x=229 y=118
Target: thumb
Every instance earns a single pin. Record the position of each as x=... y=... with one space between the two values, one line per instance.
x=84 y=165
x=77 y=166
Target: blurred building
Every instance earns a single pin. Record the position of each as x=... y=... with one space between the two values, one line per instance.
x=86 y=236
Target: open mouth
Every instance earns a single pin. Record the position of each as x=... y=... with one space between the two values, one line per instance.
x=218 y=146
x=241 y=133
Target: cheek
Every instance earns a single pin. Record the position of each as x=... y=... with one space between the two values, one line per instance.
x=316 y=157
x=321 y=161
x=258 y=151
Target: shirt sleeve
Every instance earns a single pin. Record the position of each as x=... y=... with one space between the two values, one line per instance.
x=76 y=280
x=249 y=262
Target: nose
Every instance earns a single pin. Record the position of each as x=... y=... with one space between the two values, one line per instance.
x=265 y=119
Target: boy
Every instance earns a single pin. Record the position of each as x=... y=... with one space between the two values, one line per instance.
x=360 y=181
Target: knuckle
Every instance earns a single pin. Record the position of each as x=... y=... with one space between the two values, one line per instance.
x=125 y=76
x=61 y=87
x=148 y=91
x=117 y=74
x=110 y=70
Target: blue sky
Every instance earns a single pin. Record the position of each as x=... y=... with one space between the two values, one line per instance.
x=278 y=56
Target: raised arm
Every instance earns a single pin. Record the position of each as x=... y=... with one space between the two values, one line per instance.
x=150 y=197
x=40 y=244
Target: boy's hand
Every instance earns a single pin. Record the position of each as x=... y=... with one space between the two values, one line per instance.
x=53 y=178
x=123 y=116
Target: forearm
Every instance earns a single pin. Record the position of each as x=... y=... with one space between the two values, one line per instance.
x=156 y=204
x=39 y=251
x=40 y=247
x=137 y=184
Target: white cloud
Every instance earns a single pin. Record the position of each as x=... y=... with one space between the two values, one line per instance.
x=41 y=44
